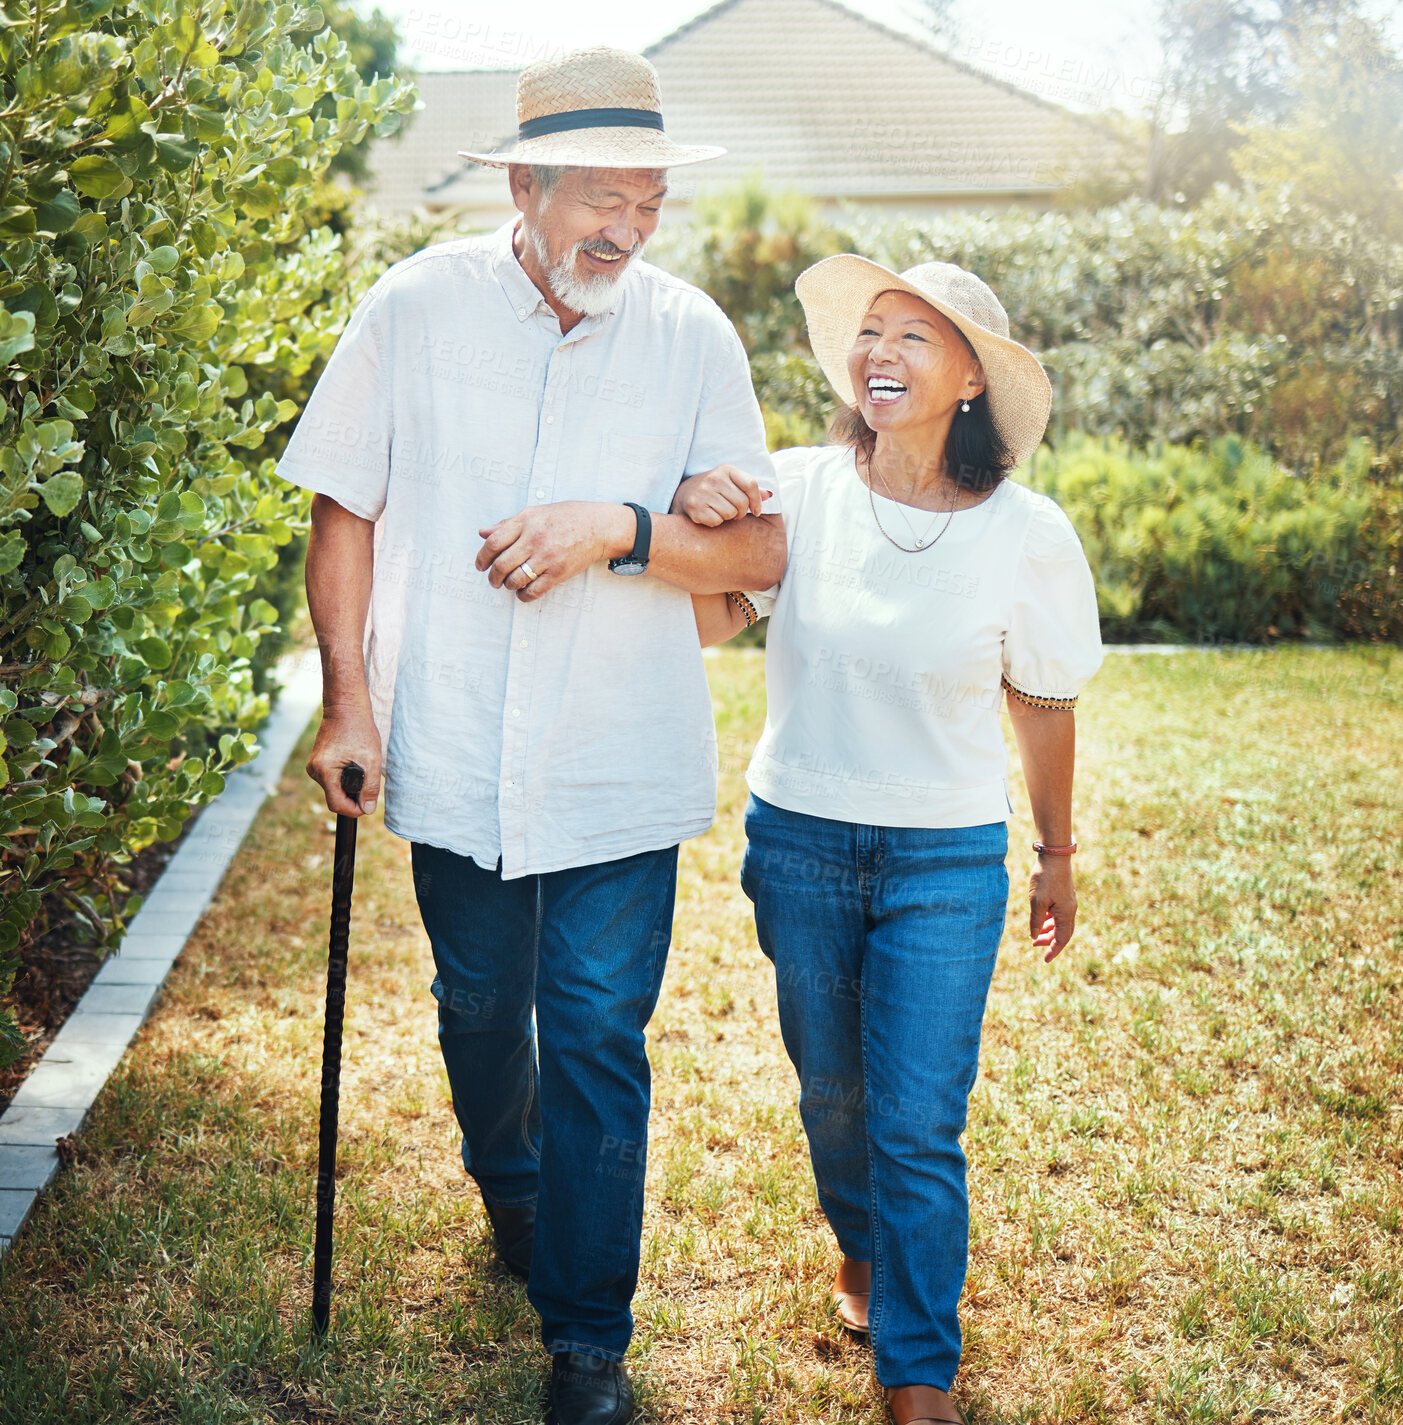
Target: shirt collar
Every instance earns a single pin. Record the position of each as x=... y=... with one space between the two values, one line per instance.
x=523 y=294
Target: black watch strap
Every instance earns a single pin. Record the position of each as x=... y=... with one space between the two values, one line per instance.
x=643 y=540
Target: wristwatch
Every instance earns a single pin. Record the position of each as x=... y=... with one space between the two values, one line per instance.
x=636 y=562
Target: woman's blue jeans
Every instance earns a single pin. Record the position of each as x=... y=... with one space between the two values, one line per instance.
x=884 y=941
x=556 y=1110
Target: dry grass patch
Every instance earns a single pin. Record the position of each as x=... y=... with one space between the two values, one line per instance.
x=1186 y=1175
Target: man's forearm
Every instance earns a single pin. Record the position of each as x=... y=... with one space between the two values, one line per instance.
x=339 y=567
x=746 y=553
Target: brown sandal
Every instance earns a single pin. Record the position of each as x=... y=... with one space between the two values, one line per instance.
x=914 y=1404
x=852 y=1291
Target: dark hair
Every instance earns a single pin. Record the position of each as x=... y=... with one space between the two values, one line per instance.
x=976 y=457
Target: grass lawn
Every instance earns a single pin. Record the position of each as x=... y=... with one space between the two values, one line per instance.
x=1186 y=1141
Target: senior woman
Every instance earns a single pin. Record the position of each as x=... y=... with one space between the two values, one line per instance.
x=921 y=585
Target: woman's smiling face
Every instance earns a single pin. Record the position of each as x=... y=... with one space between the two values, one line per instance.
x=909 y=365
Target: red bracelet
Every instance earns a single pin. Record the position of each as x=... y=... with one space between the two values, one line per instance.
x=1043 y=849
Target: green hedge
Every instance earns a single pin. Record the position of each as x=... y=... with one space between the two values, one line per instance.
x=1217 y=544
x=155 y=161
x=1251 y=316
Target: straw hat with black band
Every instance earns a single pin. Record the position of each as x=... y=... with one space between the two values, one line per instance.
x=839 y=291
x=592 y=108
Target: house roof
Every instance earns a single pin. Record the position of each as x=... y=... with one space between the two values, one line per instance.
x=809 y=93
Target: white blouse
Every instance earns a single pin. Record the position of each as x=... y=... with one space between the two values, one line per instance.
x=884 y=670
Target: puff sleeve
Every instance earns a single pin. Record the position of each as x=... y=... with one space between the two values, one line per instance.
x=1052 y=646
x=340 y=446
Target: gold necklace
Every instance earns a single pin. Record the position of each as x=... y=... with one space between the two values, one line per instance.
x=921 y=544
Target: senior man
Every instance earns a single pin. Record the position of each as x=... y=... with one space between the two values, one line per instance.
x=490 y=445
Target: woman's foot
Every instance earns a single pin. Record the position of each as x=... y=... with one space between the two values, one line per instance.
x=922 y=1405
x=852 y=1290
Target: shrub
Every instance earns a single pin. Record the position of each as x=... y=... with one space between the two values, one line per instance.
x=1211 y=544
x=1249 y=315
x=156 y=161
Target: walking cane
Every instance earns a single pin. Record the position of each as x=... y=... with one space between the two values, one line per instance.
x=342 y=875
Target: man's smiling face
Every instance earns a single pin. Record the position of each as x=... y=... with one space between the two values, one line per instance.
x=581 y=235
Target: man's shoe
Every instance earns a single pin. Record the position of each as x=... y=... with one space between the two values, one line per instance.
x=588 y=1390
x=514 y=1227
x=852 y=1291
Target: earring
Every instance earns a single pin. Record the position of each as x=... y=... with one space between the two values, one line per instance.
x=965 y=406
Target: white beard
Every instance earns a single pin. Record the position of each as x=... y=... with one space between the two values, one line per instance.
x=589 y=296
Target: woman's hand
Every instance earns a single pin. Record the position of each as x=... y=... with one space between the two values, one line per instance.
x=718 y=495
x=1053 y=905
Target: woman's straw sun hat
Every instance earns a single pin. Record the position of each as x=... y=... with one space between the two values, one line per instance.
x=839 y=291
x=592 y=108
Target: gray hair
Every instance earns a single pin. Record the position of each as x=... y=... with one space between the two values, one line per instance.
x=547 y=176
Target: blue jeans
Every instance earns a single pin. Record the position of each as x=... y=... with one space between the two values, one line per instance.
x=883 y=941
x=558 y=1112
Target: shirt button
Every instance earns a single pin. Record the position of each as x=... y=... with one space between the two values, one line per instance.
x=540 y=494
x=510 y=783
x=521 y=311
x=516 y=712
x=550 y=420
x=523 y=643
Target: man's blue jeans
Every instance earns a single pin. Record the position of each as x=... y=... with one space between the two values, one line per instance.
x=558 y=1112
x=884 y=941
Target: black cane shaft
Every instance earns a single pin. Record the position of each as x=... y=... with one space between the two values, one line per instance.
x=342 y=881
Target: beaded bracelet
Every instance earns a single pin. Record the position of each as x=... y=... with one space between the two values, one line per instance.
x=1043 y=849
x=746 y=607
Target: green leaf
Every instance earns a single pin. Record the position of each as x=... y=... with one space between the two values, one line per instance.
x=62 y=492
x=176 y=153
x=12 y=547
x=161 y=725
x=155 y=651
x=258 y=200
x=98 y=177
x=199 y=324
x=58 y=214
x=125 y=121
x=206 y=239
x=17 y=219
x=16 y=334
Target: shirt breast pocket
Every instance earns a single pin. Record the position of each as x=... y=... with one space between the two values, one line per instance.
x=643 y=468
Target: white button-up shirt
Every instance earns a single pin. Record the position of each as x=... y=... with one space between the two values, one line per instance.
x=577 y=728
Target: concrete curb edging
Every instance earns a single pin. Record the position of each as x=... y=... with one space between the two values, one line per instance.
x=54 y=1100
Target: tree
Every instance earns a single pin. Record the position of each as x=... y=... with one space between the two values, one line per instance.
x=373 y=45
x=1220 y=69
x=1286 y=75
x=1339 y=147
